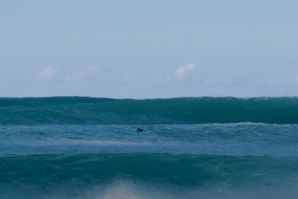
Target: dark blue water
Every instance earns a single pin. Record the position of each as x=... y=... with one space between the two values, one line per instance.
x=64 y=156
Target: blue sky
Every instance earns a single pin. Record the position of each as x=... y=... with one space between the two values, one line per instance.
x=148 y=49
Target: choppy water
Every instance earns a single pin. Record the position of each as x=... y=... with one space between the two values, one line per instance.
x=63 y=157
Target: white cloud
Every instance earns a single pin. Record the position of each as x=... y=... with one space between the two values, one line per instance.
x=183 y=71
x=80 y=74
x=48 y=73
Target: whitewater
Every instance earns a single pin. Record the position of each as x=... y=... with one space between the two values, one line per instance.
x=213 y=148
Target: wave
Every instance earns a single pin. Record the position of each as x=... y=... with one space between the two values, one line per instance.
x=147 y=176
x=84 y=110
x=150 y=168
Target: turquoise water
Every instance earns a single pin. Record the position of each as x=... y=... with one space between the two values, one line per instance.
x=78 y=110
x=89 y=148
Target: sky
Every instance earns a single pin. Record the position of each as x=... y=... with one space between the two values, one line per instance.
x=148 y=49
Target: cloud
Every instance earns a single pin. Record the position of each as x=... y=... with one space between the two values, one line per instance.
x=80 y=74
x=183 y=71
x=47 y=73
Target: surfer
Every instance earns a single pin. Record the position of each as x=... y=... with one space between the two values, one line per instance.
x=139 y=130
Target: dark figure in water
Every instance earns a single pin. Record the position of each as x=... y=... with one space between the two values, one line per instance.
x=139 y=130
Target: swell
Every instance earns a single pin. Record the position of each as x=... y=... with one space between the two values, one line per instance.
x=84 y=110
x=181 y=170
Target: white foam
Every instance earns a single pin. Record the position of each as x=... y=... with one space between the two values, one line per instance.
x=129 y=190
x=124 y=189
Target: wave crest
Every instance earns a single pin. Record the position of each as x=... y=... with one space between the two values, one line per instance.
x=80 y=110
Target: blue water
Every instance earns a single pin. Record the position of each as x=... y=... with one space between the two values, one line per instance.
x=65 y=157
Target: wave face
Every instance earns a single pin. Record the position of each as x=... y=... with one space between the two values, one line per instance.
x=145 y=175
x=83 y=110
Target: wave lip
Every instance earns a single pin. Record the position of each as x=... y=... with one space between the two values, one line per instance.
x=200 y=110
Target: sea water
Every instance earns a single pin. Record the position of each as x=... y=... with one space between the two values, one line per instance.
x=52 y=148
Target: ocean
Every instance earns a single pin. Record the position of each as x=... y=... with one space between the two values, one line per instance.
x=204 y=147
